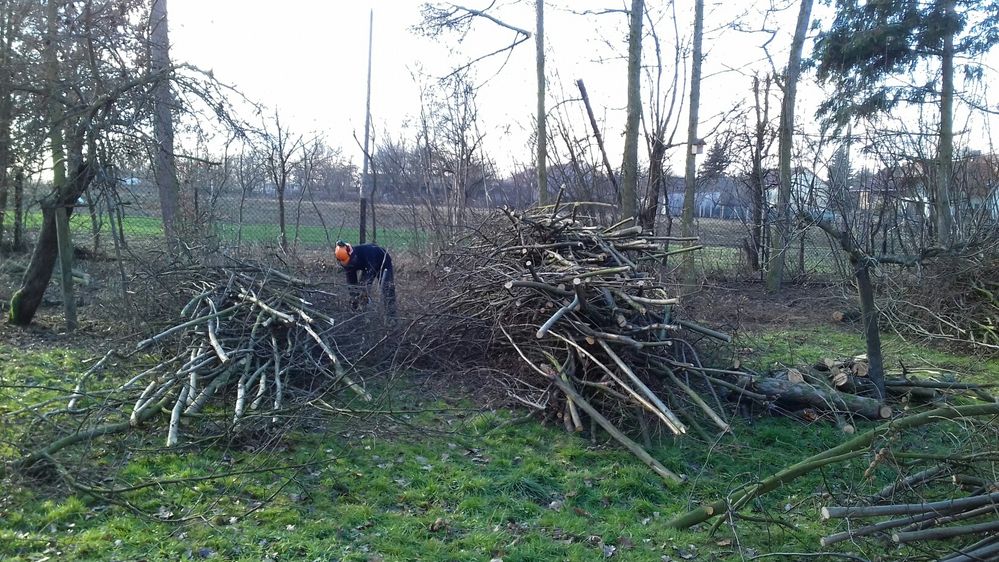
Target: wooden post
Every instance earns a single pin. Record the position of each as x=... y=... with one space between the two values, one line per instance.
x=366 y=175
x=65 y=242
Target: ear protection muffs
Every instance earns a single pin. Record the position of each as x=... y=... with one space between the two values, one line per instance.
x=343 y=251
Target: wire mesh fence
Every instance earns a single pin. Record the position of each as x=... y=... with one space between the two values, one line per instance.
x=127 y=218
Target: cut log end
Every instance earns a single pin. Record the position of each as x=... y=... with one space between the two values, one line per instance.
x=885 y=411
x=824 y=515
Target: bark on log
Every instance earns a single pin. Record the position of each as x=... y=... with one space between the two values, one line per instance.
x=903 y=537
x=795 y=394
x=916 y=479
x=987 y=549
x=944 y=506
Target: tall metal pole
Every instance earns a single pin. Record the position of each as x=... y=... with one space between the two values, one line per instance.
x=366 y=177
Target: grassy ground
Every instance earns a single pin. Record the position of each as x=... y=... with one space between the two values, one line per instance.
x=306 y=235
x=438 y=479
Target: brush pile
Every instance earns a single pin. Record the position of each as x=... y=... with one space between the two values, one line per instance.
x=954 y=300
x=580 y=305
x=583 y=323
x=252 y=340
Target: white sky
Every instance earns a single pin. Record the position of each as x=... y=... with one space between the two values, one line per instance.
x=308 y=59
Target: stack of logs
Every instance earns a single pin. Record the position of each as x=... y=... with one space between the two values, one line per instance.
x=908 y=386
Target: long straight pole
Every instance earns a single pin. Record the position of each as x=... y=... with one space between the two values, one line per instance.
x=366 y=177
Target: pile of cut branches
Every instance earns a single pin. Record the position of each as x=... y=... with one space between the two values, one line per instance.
x=954 y=300
x=585 y=324
x=594 y=328
x=251 y=347
x=252 y=333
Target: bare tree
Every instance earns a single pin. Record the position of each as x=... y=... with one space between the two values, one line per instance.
x=314 y=156
x=629 y=168
x=164 y=163
x=694 y=106
x=775 y=274
x=280 y=146
x=666 y=102
x=759 y=143
x=453 y=161
x=441 y=18
x=250 y=172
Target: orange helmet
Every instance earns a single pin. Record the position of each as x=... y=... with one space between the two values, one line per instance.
x=343 y=251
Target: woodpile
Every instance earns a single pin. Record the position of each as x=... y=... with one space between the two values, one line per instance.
x=598 y=333
x=248 y=342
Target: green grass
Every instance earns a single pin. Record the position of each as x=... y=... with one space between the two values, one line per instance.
x=805 y=346
x=316 y=236
x=437 y=485
x=528 y=493
x=309 y=236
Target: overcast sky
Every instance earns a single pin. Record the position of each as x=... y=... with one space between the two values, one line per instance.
x=307 y=58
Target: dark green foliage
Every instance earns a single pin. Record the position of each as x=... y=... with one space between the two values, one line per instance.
x=868 y=42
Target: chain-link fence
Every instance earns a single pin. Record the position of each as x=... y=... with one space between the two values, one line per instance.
x=128 y=217
x=731 y=250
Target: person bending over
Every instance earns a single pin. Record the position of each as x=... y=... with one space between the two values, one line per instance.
x=374 y=264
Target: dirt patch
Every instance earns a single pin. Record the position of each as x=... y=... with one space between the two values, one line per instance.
x=746 y=306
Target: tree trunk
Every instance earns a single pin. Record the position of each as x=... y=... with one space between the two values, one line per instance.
x=281 y=218
x=690 y=174
x=861 y=264
x=6 y=110
x=945 y=163
x=6 y=114
x=792 y=394
x=541 y=160
x=757 y=187
x=18 y=241
x=872 y=331
x=28 y=297
x=64 y=241
x=629 y=169
x=775 y=275
x=164 y=163
x=656 y=181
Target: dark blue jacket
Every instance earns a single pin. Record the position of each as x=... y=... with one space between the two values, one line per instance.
x=372 y=262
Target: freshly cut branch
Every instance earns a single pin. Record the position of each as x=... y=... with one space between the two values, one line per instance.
x=850 y=449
